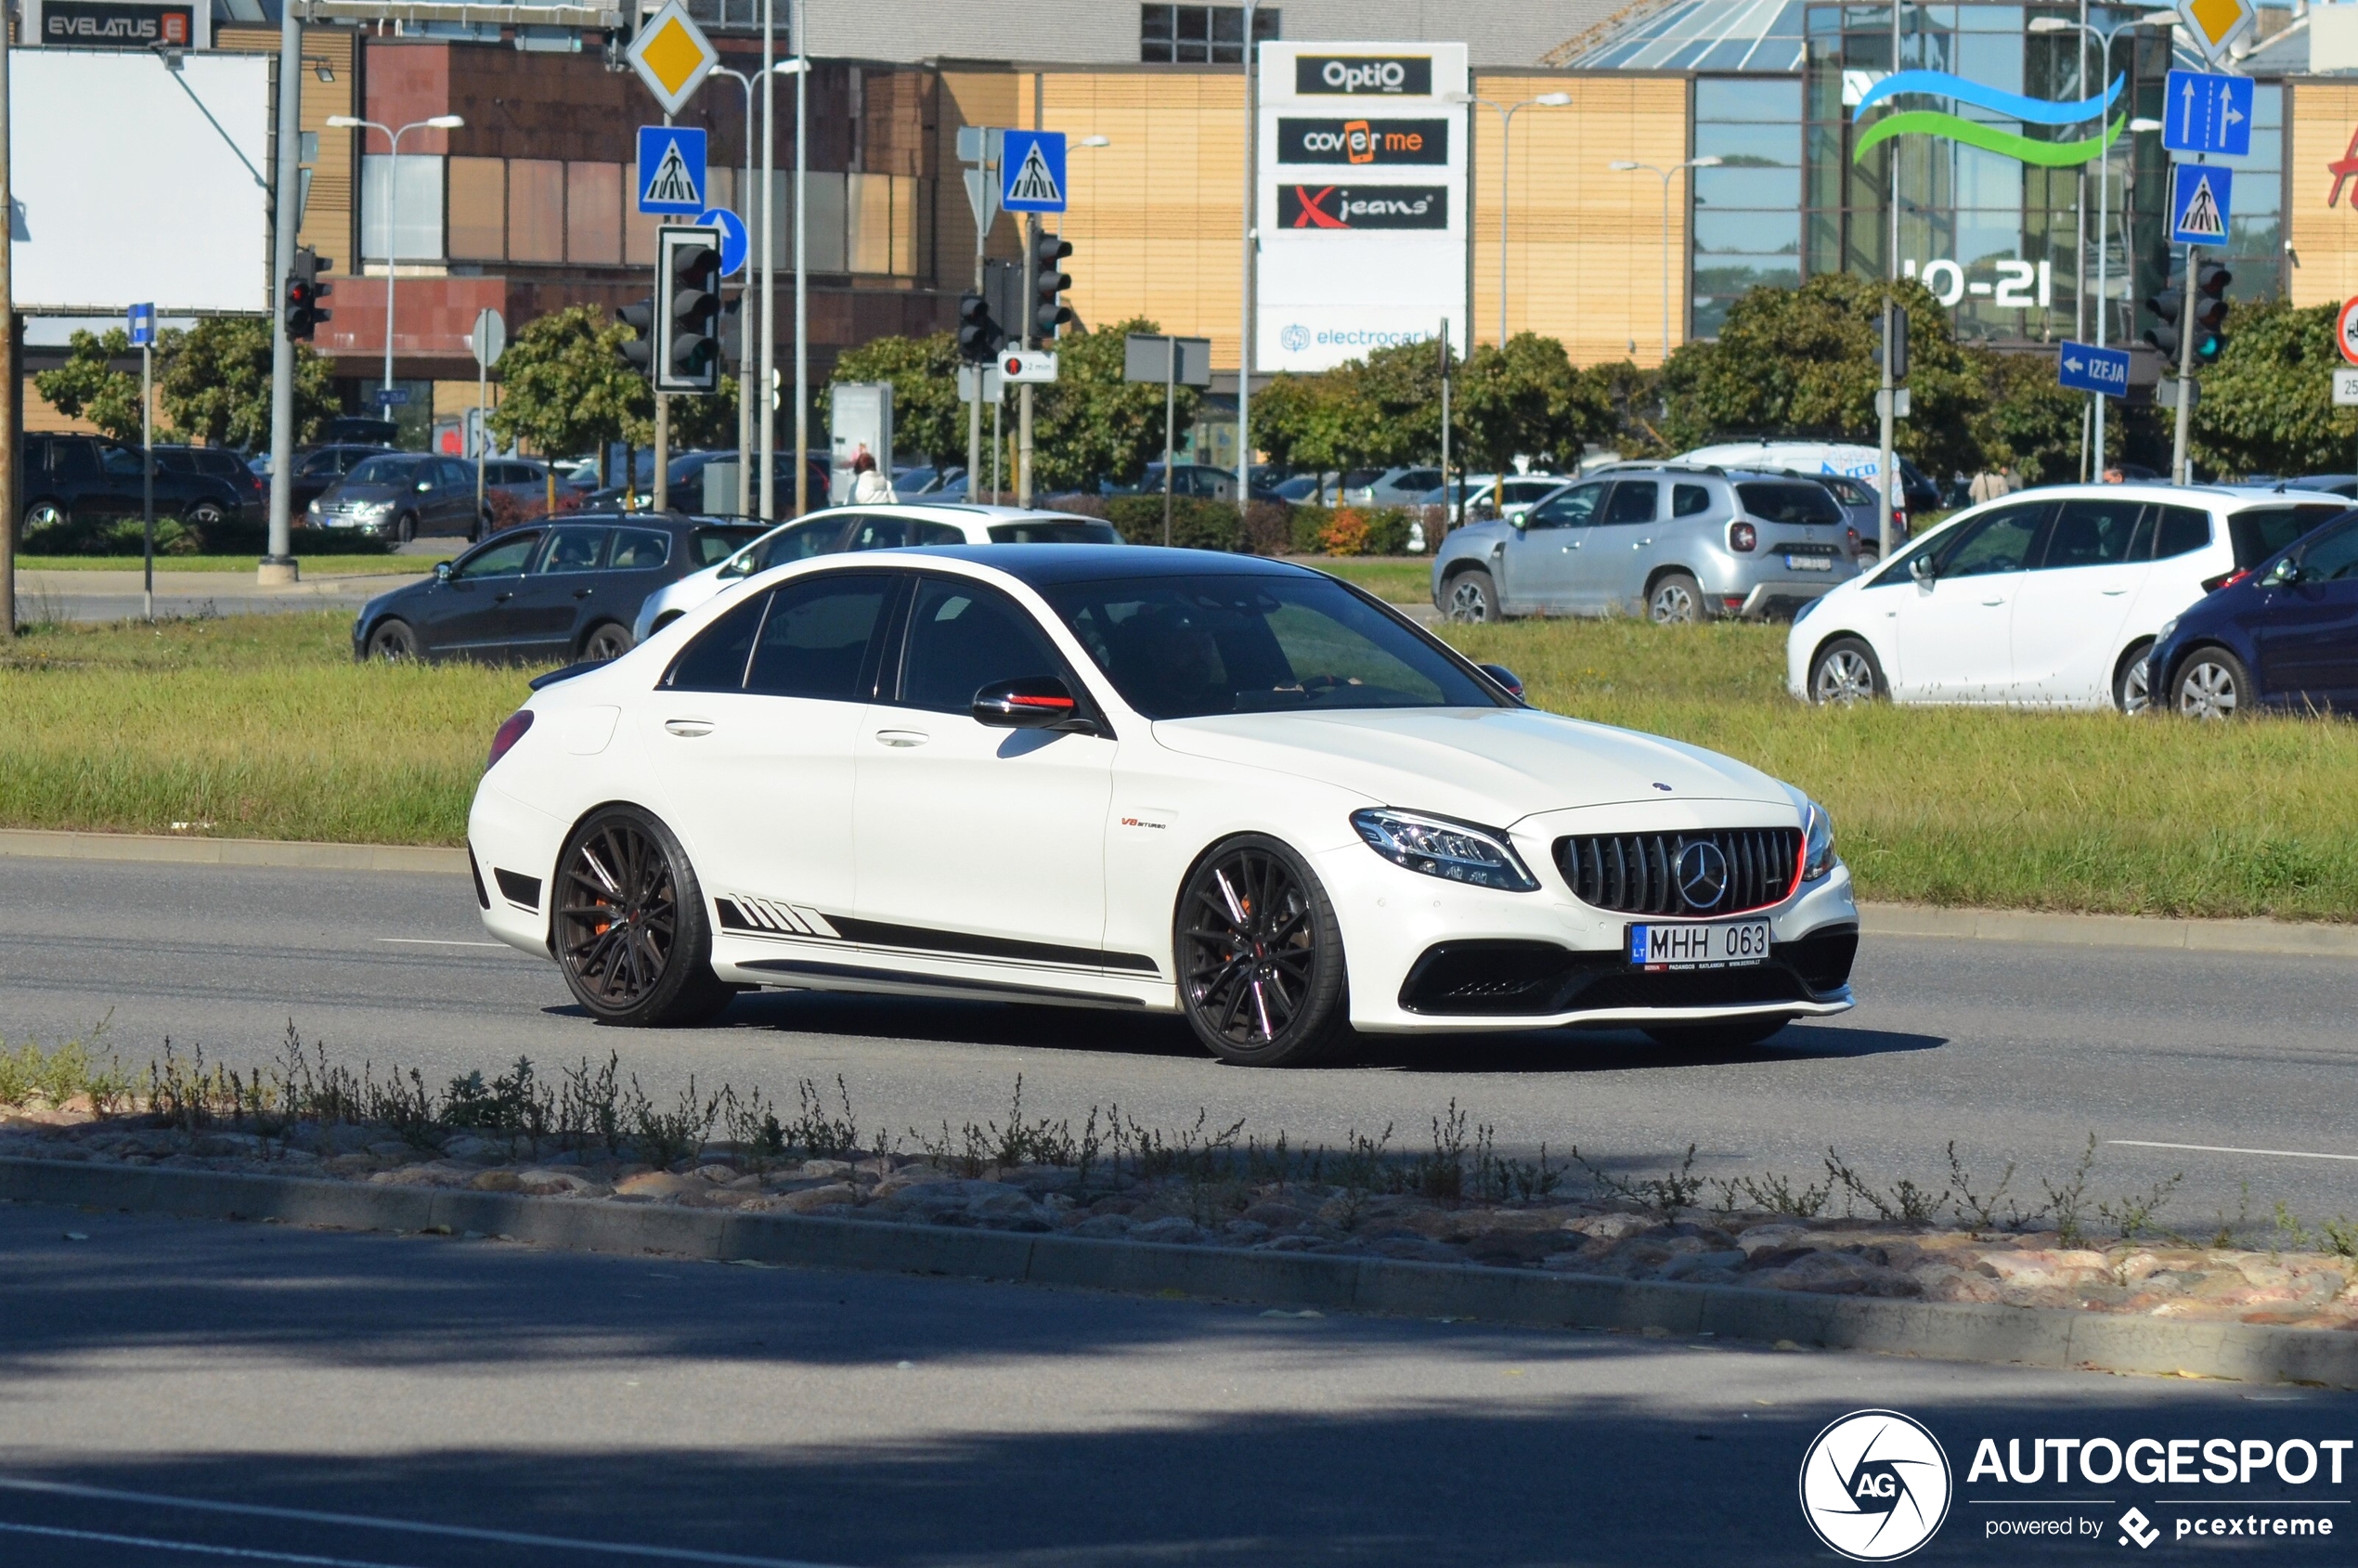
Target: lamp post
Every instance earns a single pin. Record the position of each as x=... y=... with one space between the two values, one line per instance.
x=1708 y=160
x=1507 y=113
x=2164 y=20
x=1245 y=280
x=746 y=318
x=392 y=192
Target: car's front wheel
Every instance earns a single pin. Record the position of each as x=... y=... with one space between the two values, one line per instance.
x=1846 y=671
x=1471 y=595
x=2212 y=683
x=405 y=527
x=1260 y=953
x=392 y=641
x=1732 y=1035
x=630 y=923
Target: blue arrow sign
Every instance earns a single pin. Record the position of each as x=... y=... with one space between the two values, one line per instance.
x=143 y=326
x=2207 y=113
x=1031 y=172
x=734 y=241
x=2087 y=369
x=671 y=169
x=2200 y=197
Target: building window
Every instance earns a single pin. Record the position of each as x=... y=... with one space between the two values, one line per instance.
x=1201 y=34
x=1747 y=210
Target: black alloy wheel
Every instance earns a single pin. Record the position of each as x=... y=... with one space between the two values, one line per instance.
x=630 y=925
x=393 y=640
x=1261 y=969
x=1734 y=1034
x=605 y=641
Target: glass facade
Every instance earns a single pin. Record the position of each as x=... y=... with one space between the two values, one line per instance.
x=1747 y=212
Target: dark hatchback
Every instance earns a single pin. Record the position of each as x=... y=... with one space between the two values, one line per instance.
x=545 y=593
x=87 y=479
x=2283 y=634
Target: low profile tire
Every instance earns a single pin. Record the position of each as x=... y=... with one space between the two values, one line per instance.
x=630 y=930
x=1676 y=598
x=2210 y=683
x=44 y=514
x=1734 y=1035
x=392 y=642
x=2131 y=689
x=202 y=515
x=1261 y=969
x=1846 y=671
x=605 y=641
x=1471 y=595
x=405 y=527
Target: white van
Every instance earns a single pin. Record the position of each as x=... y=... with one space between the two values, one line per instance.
x=1863 y=464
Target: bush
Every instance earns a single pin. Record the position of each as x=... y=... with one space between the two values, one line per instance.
x=507 y=510
x=1345 y=533
x=1351 y=530
x=1308 y=527
x=1196 y=523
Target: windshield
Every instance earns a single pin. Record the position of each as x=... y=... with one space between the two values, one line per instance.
x=1184 y=647
x=384 y=471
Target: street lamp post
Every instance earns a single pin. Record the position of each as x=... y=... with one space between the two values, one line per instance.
x=1708 y=162
x=801 y=42
x=745 y=316
x=393 y=193
x=1507 y=113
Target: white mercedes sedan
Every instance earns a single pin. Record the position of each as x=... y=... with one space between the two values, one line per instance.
x=1158 y=780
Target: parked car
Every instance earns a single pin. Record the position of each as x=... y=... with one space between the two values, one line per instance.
x=2325 y=483
x=1670 y=542
x=217 y=462
x=1392 y=486
x=523 y=481
x=317 y=469
x=360 y=429
x=1488 y=494
x=1917 y=493
x=545 y=592
x=2051 y=596
x=1862 y=515
x=687 y=479
x=88 y=479
x=1236 y=779
x=2282 y=634
x=403 y=496
x=906 y=525
x=1200 y=480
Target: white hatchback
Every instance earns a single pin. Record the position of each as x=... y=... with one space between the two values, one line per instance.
x=2048 y=597
x=840 y=528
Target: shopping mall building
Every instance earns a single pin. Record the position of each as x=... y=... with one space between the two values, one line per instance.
x=1415 y=167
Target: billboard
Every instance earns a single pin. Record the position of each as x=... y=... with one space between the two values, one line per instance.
x=1362 y=203
x=129 y=188
x=118 y=24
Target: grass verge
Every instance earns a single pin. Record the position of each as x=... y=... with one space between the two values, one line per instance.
x=317 y=565
x=1395 y=579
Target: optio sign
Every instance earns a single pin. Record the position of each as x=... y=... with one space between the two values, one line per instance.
x=1350 y=75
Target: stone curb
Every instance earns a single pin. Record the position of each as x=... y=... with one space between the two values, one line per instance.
x=2306 y=938
x=1945 y=1332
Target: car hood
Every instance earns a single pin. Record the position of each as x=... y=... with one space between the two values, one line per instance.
x=349 y=492
x=1494 y=766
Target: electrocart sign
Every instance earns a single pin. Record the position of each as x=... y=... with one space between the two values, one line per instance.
x=1373 y=206
x=1352 y=75
x=1363 y=142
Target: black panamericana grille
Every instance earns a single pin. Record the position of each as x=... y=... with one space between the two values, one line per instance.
x=1528 y=979
x=1638 y=873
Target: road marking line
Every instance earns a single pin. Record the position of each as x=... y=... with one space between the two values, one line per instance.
x=436 y=941
x=151 y=1542
x=458 y=1532
x=2218 y=1148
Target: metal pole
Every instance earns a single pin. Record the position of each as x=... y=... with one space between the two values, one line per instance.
x=1169 y=416
x=147 y=472
x=744 y=329
x=9 y=388
x=659 y=489
x=1023 y=393
x=2091 y=464
x=998 y=441
x=1244 y=289
x=980 y=367
x=1445 y=424
x=483 y=418
x=2180 y=461
x=801 y=262
x=278 y=565
x=393 y=243
x=768 y=376
x=1886 y=466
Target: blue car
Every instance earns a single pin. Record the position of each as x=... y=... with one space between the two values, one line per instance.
x=2283 y=634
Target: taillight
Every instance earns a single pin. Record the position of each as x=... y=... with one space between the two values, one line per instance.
x=2228 y=579
x=511 y=731
x=1742 y=537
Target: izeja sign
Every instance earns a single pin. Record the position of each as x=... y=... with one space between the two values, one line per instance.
x=1972 y=133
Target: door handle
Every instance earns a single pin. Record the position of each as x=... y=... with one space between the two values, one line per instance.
x=2113 y=592
x=504 y=597
x=583 y=592
x=1993 y=602
x=688 y=728
x=903 y=737
x=1642 y=544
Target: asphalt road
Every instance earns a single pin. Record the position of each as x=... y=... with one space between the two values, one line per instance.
x=177 y=1392
x=114 y=596
x=2016 y=1052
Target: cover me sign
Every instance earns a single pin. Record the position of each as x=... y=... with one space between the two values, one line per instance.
x=1362 y=207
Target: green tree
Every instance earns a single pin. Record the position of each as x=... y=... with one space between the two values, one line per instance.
x=88 y=386
x=214 y=382
x=565 y=387
x=1526 y=400
x=1310 y=422
x=1625 y=402
x=706 y=422
x=1090 y=424
x=927 y=418
x=2267 y=404
x=2029 y=422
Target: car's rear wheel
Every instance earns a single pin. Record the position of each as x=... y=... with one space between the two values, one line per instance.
x=1846 y=671
x=2212 y=683
x=2132 y=688
x=1261 y=967
x=1732 y=1035
x=393 y=640
x=1676 y=598
x=405 y=527
x=202 y=515
x=1471 y=595
x=629 y=926
x=44 y=514
x=605 y=641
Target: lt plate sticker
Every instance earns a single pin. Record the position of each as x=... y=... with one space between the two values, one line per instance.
x=1699 y=947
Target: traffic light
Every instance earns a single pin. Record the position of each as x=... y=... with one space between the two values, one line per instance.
x=2210 y=310
x=980 y=337
x=305 y=291
x=638 y=351
x=1897 y=317
x=732 y=336
x=2169 y=306
x=688 y=309
x=1049 y=280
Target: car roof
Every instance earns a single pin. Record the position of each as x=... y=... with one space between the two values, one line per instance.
x=1039 y=566
x=2229 y=498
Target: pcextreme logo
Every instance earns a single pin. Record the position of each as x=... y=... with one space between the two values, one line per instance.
x=2030 y=112
x=1876 y=1485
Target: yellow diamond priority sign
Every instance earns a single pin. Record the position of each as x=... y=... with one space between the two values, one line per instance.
x=2216 y=24
x=672 y=55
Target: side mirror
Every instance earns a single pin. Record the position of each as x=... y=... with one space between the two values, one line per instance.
x=425 y=485
x=1036 y=702
x=1519 y=519
x=1922 y=570
x=2285 y=573
x=1506 y=678
x=441 y=571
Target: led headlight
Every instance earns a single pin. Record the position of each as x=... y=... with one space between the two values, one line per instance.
x=2167 y=627
x=1817 y=852
x=373 y=509
x=1436 y=847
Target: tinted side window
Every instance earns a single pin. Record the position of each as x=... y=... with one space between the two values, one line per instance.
x=2334 y=556
x=709 y=545
x=2260 y=532
x=2092 y=534
x=962 y=637
x=639 y=550
x=318 y=465
x=503 y=558
x=575 y=549
x=1570 y=509
x=72 y=459
x=1789 y=502
x=937 y=533
x=1634 y=502
x=1999 y=542
x=1689 y=501
x=716 y=660
x=2183 y=530
x=876 y=532
x=1080 y=530
x=794 y=544
x=816 y=637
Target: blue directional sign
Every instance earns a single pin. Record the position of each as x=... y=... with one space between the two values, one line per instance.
x=734 y=241
x=2200 y=195
x=1031 y=172
x=393 y=397
x=143 y=326
x=2085 y=367
x=2208 y=113
x=671 y=169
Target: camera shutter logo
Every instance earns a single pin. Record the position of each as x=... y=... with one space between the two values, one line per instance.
x=1703 y=874
x=1876 y=1485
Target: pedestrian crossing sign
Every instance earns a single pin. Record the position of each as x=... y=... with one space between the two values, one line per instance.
x=1031 y=172
x=2200 y=201
x=671 y=169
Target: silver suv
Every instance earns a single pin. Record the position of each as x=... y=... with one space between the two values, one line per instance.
x=1674 y=543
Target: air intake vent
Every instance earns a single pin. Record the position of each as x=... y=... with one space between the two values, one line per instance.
x=1725 y=871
